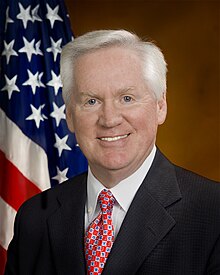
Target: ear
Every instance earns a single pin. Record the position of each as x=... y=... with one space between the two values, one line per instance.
x=69 y=119
x=161 y=109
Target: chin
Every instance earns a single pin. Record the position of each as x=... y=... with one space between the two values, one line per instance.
x=115 y=164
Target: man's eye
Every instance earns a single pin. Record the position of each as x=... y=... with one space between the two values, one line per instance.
x=91 y=101
x=127 y=98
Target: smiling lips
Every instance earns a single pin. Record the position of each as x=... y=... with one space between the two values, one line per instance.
x=110 y=139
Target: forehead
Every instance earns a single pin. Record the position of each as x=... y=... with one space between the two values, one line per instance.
x=109 y=65
x=111 y=53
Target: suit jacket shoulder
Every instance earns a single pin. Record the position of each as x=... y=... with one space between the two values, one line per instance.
x=199 y=192
x=49 y=199
x=42 y=223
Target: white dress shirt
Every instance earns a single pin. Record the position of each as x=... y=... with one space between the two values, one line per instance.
x=123 y=192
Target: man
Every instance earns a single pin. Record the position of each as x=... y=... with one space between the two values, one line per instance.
x=134 y=212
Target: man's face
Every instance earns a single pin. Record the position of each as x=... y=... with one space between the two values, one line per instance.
x=112 y=112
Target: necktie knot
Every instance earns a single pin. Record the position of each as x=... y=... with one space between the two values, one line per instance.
x=106 y=201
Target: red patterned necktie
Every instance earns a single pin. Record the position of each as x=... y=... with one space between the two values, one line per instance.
x=100 y=235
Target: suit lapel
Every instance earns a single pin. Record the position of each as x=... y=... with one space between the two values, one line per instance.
x=147 y=220
x=66 y=229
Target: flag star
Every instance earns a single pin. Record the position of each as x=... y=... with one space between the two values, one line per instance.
x=8 y=50
x=24 y=15
x=10 y=86
x=61 y=175
x=35 y=16
x=37 y=115
x=33 y=81
x=28 y=48
x=52 y=15
x=8 y=19
x=58 y=113
x=55 y=82
x=61 y=144
x=55 y=48
x=37 y=48
x=41 y=84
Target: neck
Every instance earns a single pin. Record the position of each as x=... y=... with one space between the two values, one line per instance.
x=110 y=178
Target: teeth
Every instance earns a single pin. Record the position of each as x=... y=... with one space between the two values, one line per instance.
x=113 y=138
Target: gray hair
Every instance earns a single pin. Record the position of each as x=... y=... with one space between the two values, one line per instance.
x=154 y=64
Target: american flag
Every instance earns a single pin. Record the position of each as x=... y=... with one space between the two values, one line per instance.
x=36 y=149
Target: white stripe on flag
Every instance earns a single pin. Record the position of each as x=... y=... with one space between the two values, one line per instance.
x=7 y=216
x=26 y=155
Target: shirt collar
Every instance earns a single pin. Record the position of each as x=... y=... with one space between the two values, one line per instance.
x=124 y=191
x=94 y=187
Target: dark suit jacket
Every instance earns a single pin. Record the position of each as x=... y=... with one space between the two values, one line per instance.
x=172 y=227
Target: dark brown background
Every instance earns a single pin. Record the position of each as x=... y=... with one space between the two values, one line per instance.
x=188 y=32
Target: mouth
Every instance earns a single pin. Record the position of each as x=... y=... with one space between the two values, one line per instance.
x=111 y=139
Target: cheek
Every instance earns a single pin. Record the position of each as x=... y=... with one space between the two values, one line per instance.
x=84 y=125
x=145 y=120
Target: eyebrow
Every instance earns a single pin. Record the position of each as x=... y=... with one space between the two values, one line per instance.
x=124 y=90
x=91 y=93
x=119 y=91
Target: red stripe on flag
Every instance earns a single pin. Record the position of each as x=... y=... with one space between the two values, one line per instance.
x=3 y=256
x=15 y=188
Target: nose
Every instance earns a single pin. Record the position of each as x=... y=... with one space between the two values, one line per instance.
x=110 y=115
